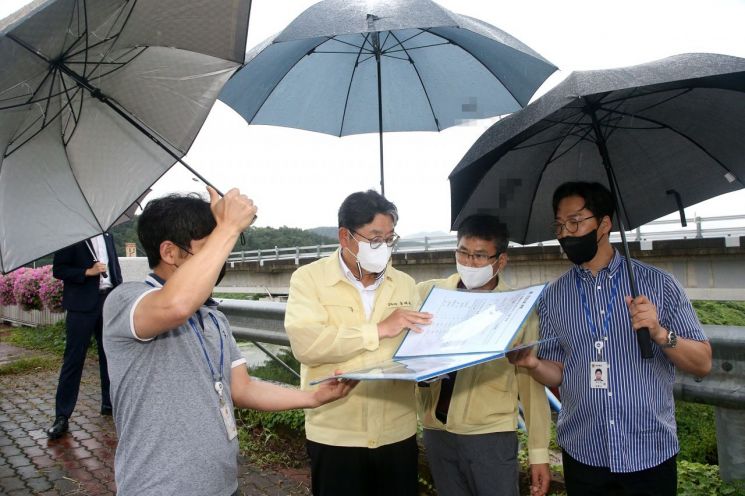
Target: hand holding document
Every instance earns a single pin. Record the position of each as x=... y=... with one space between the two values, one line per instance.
x=470 y=322
x=467 y=328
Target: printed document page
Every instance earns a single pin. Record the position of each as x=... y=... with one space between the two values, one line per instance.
x=470 y=322
x=468 y=328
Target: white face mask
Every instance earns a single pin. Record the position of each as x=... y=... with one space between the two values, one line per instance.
x=475 y=277
x=373 y=260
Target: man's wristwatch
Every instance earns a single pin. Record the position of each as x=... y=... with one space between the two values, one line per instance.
x=672 y=340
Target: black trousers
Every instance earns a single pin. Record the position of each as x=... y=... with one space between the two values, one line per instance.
x=586 y=480
x=389 y=470
x=81 y=326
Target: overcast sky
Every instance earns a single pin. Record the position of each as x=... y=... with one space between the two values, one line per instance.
x=299 y=178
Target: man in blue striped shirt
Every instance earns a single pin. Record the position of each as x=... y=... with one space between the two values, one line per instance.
x=618 y=432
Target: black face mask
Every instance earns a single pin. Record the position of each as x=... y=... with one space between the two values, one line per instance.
x=580 y=249
x=222 y=273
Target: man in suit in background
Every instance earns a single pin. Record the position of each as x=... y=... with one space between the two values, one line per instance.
x=89 y=270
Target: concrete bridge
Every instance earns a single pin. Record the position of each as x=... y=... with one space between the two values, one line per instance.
x=708 y=268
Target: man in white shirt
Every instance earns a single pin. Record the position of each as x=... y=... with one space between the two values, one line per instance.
x=89 y=270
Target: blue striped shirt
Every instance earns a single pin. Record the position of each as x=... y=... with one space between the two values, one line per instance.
x=631 y=425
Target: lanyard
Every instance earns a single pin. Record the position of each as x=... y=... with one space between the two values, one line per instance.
x=216 y=378
x=608 y=309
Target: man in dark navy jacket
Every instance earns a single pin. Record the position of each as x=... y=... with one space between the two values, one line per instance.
x=89 y=270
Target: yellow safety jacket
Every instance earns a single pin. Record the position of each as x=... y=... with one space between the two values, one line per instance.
x=325 y=321
x=485 y=396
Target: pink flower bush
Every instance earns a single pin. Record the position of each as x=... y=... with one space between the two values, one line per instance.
x=32 y=289
x=50 y=290
x=6 y=289
x=26 y=289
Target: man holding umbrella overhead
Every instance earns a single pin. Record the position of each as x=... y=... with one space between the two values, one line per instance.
x=619 y=432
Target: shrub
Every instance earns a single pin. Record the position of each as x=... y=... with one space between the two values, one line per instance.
x=26 y=289
x=32 y=289
x=697 y=432
x=6 y=289
x=50 y=289
x=282 y=421
x=721 y=312
x=696 y=479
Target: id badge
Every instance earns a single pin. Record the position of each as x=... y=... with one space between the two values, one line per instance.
x=599 y=375
x=228 y=420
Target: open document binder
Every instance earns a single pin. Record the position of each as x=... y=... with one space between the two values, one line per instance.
x=468 y=328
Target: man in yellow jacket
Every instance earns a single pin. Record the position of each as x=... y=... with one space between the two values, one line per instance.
x=348 y=311
x=470 y=417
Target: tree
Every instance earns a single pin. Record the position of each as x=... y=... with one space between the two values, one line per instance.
x=261 y=238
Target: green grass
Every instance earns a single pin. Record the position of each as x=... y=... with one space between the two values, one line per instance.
x=720 y=312
x=44 y=338
x=31 y=364
x=50 y=339
x=270 y=439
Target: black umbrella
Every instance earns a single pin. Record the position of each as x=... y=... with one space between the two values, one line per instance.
x=662 y=136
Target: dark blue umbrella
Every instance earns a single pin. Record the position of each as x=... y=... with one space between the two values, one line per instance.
x=349 y=66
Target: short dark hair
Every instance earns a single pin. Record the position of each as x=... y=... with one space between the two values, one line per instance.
x=486 y=227
x=359 y=209
x=177 y=218
x=598 y=199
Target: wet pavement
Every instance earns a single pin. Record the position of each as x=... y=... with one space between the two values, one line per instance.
x=82 y=461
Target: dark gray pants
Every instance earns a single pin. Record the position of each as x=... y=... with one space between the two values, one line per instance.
x=473 y=465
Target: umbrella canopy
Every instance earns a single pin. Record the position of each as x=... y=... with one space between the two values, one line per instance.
x=352 y=66
x=97 y=100
x=670 y=130
x=662 y=136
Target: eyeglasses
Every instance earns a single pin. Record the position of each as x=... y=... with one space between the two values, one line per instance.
x=479 y=259
x=378 y=241
x=571 y=226
x=182 y=247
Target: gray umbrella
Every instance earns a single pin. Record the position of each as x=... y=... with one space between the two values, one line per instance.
x=662 y=136
x=351 y=66
x=97 y=100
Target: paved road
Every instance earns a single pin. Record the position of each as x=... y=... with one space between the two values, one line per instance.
x=81 y=463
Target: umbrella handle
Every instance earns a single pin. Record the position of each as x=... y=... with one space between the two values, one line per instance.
x=645 y=342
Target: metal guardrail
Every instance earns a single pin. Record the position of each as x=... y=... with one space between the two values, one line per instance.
x=260 y=321
x=724 y=387
x=698 y=227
